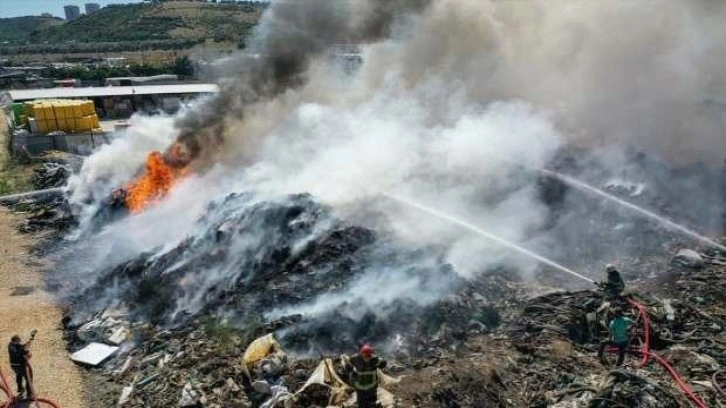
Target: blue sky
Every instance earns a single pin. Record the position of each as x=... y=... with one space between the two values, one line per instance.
x=16 y=8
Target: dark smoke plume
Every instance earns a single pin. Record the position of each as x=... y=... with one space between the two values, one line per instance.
x=289 y=36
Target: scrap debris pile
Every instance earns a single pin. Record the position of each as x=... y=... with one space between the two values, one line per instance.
x=543 y=353
x=175 y=326
x=47 y=208
x=489 y=342
x=546 y=355
x=263 y=260
x=55 y=169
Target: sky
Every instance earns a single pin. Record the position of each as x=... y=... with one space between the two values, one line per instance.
x=16 y=8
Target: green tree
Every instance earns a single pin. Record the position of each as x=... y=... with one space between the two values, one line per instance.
x=183 y=67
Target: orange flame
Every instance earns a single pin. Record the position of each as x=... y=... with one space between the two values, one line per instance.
x=152 y=185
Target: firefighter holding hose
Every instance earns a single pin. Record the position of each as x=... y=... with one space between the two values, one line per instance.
x=362 y=371
x=19 y=356
x=613 y=286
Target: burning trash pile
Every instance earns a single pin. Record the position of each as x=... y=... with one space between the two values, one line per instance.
x=445 y=109
x=545 y=355
x=161 y=173
x=491 y=343
x=268 y=260
x=186 y=312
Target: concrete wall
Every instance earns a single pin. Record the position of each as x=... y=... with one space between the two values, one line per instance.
x=83 y=144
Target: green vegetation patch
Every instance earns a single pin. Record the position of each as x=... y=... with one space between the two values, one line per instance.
x=134 y=23
x=16 y=178
x=19 y=29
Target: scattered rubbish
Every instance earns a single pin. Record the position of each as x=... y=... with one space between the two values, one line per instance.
x=689 y=258
x=22 y=290
x=189 y=397
x=106 y=328
x=466 y=349
x=51 y=174
x=93 y=354
x=670 y=313
x=125 y=394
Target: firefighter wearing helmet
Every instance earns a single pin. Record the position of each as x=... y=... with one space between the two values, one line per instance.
x=362 y=372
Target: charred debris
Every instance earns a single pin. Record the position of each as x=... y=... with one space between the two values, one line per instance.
x=184 y=316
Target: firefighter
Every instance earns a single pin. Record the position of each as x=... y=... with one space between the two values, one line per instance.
x=362 y=373
x=614 y=284
x=19 y=355
x=619 y=329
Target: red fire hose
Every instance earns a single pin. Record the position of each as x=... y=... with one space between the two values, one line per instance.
x=643 y=316
x=5 y=386
x=647 y=354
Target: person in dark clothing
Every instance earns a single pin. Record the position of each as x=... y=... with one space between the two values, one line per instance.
x=614 y=284
x=619 y=336
x=362 y=371
x=19 y=355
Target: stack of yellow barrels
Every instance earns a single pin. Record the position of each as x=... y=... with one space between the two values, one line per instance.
x=70 y=116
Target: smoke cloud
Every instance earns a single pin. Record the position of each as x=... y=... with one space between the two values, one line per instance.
x=648 y=74
x=454 y=104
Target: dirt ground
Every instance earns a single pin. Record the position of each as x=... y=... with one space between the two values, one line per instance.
x=25 y=306
x=4 y=156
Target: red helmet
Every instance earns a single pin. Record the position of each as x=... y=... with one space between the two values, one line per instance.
x=366 y=350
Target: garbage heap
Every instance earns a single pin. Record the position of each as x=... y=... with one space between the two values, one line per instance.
x=209 y=362
x=545 y=356
x=46 y=208
x=178 y=331
x=260 y=261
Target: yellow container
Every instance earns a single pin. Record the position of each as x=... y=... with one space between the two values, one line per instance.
x=61 y=111
x=48 y=112
x=89 y=108
x=38 y=112
x=42 y=126
x=64 y=125
x=95 y=123
x=58 y=111
x=78 y=110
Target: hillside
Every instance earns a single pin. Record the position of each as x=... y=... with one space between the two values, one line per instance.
x=19 y=29
x=140 y=22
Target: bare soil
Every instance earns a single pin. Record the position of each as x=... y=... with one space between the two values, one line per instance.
x=25 y=306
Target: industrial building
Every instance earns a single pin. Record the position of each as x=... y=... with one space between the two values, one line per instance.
x=112 y=105
x=72 y=12
x=92 y=8
x=120 y=102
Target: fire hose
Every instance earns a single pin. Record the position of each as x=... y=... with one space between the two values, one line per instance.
x=643 y=315
x=646 y=355
x=10 y=403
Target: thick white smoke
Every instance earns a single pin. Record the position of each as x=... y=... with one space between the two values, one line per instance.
x=118 y=162
x=647 y=73
x=448 y=111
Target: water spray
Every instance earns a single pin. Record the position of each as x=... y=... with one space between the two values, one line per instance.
x=664 y=221
x=485 y=234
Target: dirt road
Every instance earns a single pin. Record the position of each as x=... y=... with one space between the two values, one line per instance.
x=24 y=306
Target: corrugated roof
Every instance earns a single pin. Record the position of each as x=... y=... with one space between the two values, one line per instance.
x=30 y=94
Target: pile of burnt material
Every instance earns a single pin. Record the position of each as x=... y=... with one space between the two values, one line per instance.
x=292 y=265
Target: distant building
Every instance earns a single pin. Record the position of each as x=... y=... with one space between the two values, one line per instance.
x=72 y=12
x=46 y=15
x=92 y=8
x=114 y=62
